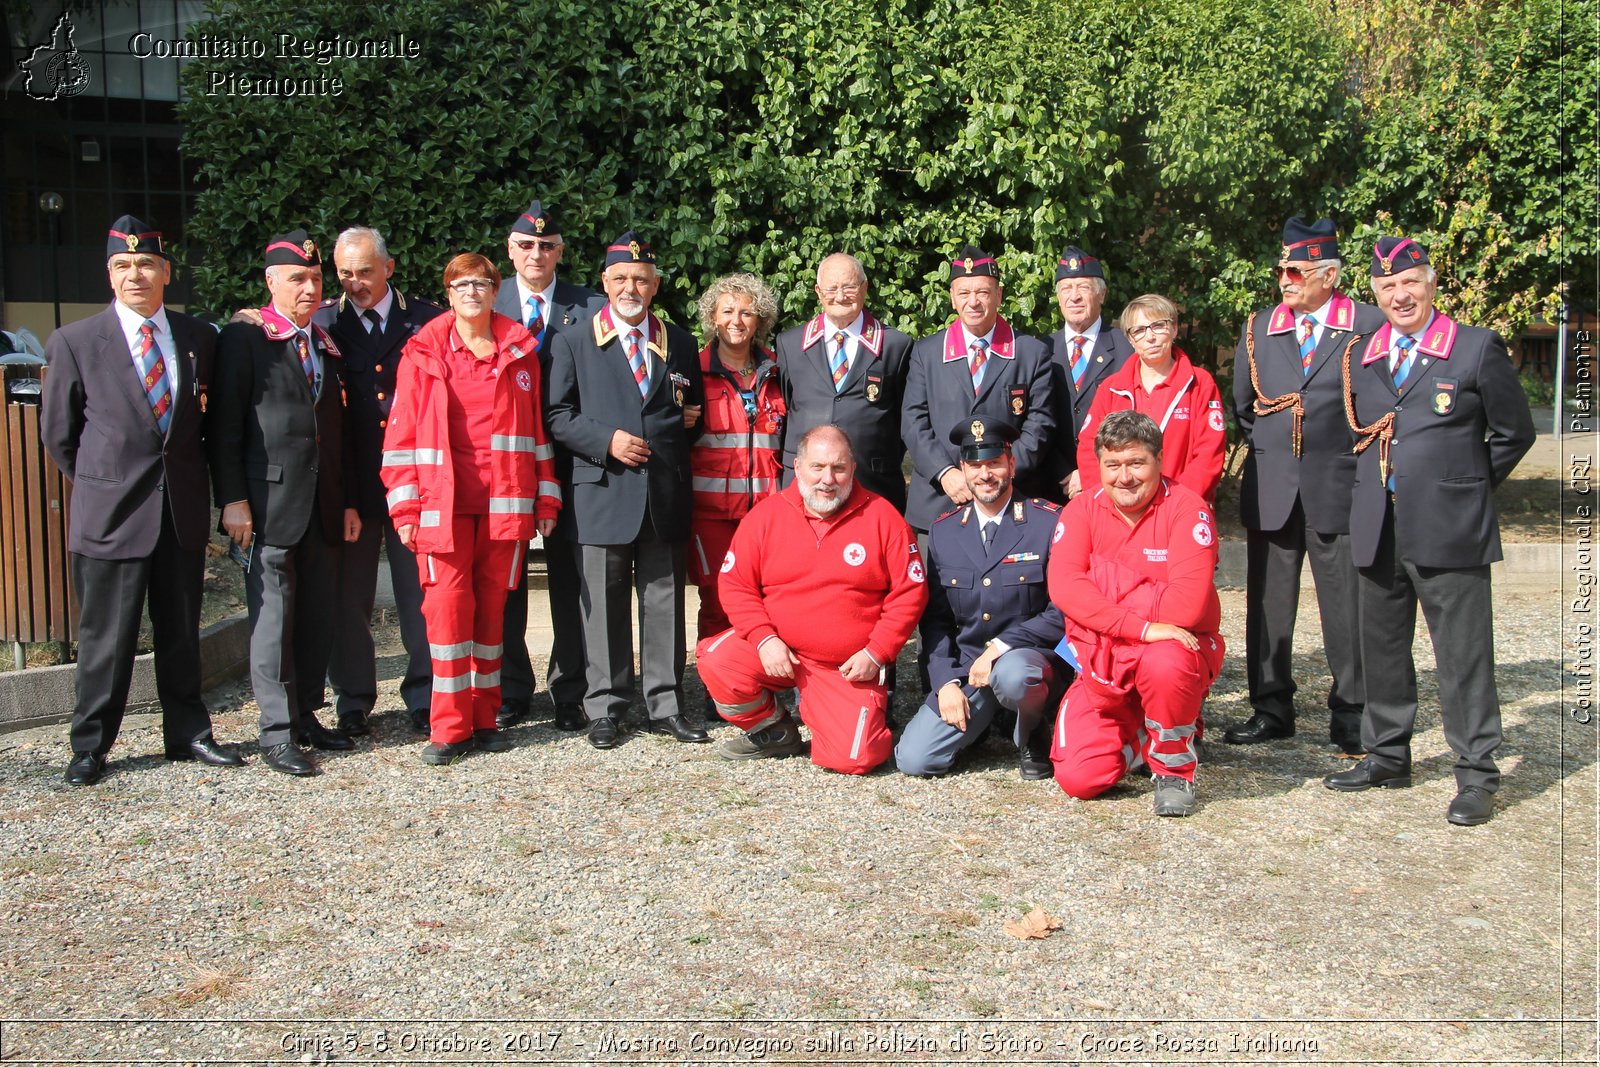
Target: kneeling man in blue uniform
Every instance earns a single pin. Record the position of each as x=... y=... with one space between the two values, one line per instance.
x=991 y=627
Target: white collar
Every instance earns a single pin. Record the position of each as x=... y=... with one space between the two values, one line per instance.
x=1090 y=336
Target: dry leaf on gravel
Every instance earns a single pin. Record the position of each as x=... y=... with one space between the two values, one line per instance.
x=1035 y=925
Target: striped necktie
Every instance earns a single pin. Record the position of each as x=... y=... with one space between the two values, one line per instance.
x=304 y=349
x=839 y=364
x=153 y=375
x=636 y=361
x=1404 y=357
x=1080 y=360
x=535 y=314
x=980 y=356
x=1308 y=342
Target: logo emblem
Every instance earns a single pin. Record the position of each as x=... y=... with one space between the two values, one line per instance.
x=1202 y=534
x=914 y=572
x=1314 y=251
x=977 y=430
x=1016 y=405
x=966 y=264
x=1215 y=420
x=133 y=242
x=1072 y=264
x=56 y=70
x=524 y=380
x=633 y=249
x=1442 y=403
x=538 y=225
x=872 y=392
x=1061 y=528
x=854 y=554
x=727 y=562
x=310 y=248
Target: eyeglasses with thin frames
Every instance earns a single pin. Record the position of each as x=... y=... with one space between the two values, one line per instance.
x=471 y=285
x=1160 y=326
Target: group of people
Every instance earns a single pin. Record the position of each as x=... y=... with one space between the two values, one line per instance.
x=1054 y=550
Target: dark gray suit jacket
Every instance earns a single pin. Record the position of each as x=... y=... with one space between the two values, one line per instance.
x=867 y=406
x=98 y=428
x=1111 y=350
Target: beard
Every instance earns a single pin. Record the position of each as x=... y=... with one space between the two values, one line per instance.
x=988 y=494
x=822 y=503
x=629 y=305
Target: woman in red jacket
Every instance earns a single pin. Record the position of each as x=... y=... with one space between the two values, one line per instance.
x=1163 y=384
x=471 y=478
x=738 y=458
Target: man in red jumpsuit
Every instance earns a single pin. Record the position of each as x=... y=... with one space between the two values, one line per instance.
x=1131 y=571
x=823 y=585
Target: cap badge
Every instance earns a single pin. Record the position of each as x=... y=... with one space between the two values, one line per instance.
x=966 y=264
x=310 y=248
x=977 y=429
x=538 y=225
x=1314 y=251
x=633 y=249
x=133 y=242
x=1072 y=264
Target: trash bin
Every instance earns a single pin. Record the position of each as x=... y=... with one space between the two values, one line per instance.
x=36 y=601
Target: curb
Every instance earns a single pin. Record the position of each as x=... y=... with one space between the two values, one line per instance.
x=25 y=695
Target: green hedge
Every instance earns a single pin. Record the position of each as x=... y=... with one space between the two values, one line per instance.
x=1169 y=139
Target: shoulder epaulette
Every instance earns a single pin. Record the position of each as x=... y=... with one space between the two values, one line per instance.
x=1045 y=505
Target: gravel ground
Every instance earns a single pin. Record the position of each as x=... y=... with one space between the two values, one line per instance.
x=655 y=903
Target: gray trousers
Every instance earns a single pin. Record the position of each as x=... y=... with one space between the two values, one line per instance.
x=654 y=570
x=1273 y=560
x=352 y=662
x=289 y=594
x=1459 y=609
x=1028 y=683
x=568 y=678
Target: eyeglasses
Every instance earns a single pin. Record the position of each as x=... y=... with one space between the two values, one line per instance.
x=1296 y=275
x=471 y=285
x=833 y=292
x=543 y=246
x=1150 y=329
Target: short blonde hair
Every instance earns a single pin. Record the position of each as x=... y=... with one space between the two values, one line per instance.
x=1152 y=306
x=757 y=291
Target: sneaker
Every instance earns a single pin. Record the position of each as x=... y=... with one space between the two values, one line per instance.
x=1174 y=796
x=490 y=741
x=437 y=755
x=782 y=738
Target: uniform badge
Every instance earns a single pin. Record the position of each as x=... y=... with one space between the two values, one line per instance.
x=977 y=430
x=1214 y=419
x=1019 y=402
x=966 y=264
x=524 y=380
x=855 y=554
x=679 y=385
x=1072 y=264
x=1444 y=399
x=874 y=388
x=133 y=242
x=633 y=250
x=1314 y=251
x=1060 y=529
x=1202 y=534
x=1016 y=512
x=538 y=225
x=310 y=247
x=914 y=571
x=1016 y=405
x=727 y=562
x=202 y=402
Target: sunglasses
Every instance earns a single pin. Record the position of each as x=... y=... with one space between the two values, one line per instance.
x=543 y=246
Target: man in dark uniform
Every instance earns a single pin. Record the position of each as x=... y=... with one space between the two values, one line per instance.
x=371 y=323
x=992 y=629
x=977 y=366
x=624 y=396
x=546 y=306
x=122 y=417
x=1085 y=351
x=1295 y=499
x=846 y=368
x=1440 y=420
x=279 y=448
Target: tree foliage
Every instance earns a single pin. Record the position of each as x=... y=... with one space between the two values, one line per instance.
x=1169 y=139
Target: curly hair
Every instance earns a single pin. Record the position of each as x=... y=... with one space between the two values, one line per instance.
x=746 y=285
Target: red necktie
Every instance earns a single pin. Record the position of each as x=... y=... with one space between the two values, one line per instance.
x=153 y=371
x=636 y=361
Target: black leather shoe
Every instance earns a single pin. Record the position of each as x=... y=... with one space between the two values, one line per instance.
x=570 y=717
x=442 y=755
x=603 y=732
x=1473 y=806
x=206 y=750
x=315 y=734
x=86 y=768
x=288 y=759
x=1258 y=729
x=353 y=723
x=512 y=711
x=1368 y=775
x=490 y=741
x=419 y=720
x=680 y=728
x=1035 y=763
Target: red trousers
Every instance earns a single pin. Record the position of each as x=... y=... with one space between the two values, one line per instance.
x=849 y=731
x=1148 y=707
x=463 y=607
x=708 y=544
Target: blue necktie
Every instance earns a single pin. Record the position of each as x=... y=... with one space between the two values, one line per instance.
x=641 y=377
x=838 y=367
x=535 y=314
x=1404 y=357
x=153 y=375
x=1308 y=343
x=980 y=356
x=1080 y=360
